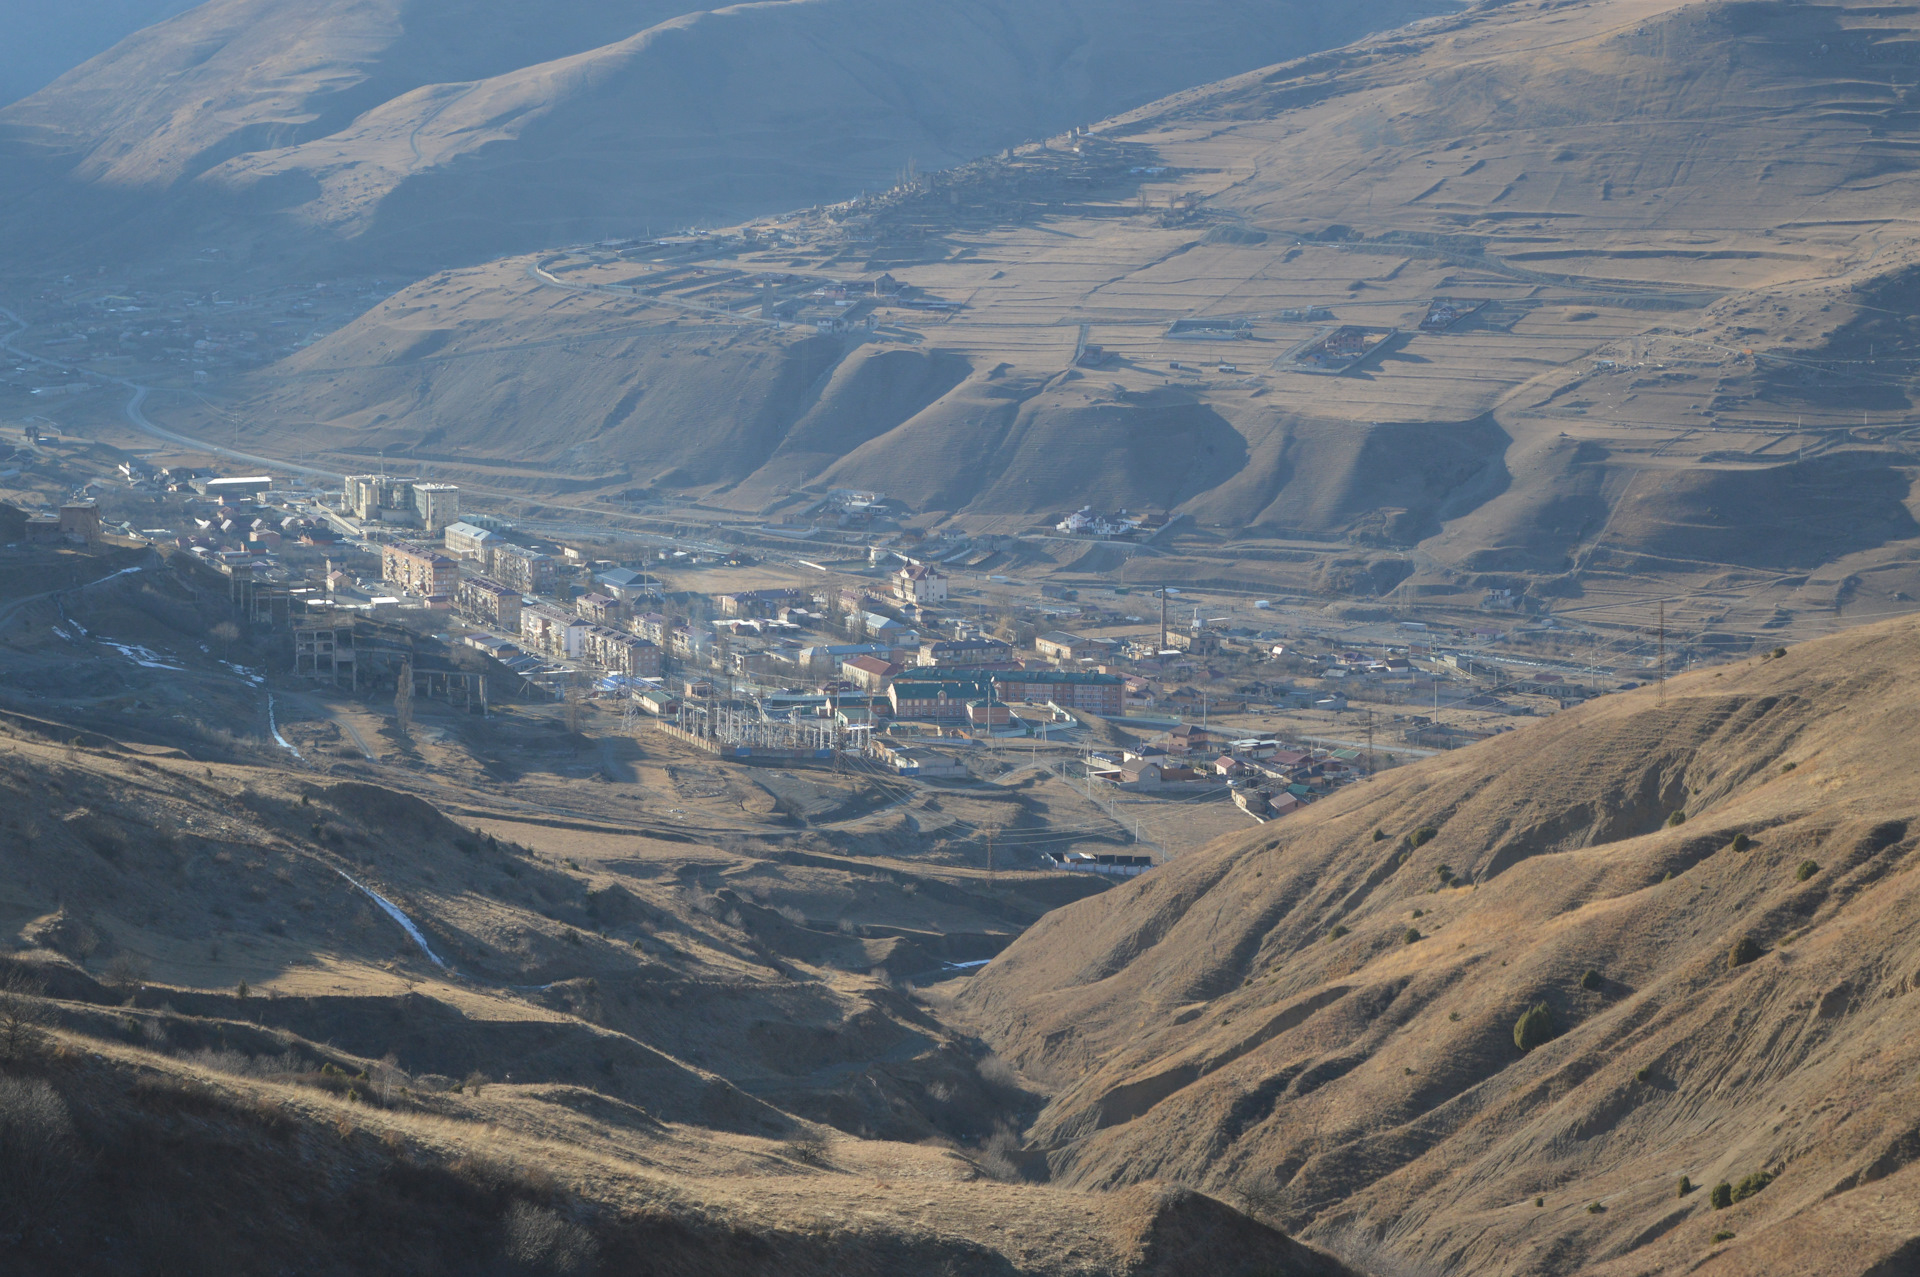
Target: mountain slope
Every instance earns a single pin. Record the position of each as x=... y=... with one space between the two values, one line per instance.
x=1709 y=886
x=410 y=134
x=47 y=38
x=1665 y=357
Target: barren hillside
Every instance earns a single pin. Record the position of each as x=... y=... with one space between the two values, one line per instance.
x=1708 y=886
x=1670 y=237
x=405 y=135
x=263 y=998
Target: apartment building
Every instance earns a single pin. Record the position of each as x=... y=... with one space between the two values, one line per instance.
x=525 y=570
x=417 y=570
x=485 y=601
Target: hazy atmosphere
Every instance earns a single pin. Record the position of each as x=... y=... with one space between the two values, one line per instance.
x=1075 y=638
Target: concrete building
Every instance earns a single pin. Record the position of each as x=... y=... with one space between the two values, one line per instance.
x=944 y=701
x=870 y=674
x=619 y=652
x=437 y=504
x=761 y=602
x=417 y=570
x=1058 y=645
x=920 y=584
x=967 y=651
x=545 y=628
x=528 y=571
x=374 y=498
x=469 y=541
x=487 y=602
x=601 y=609
x=1103 y=694
x=80 y=522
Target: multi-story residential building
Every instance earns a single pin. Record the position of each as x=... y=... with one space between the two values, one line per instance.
x=485 y=601
x=870 y=674
x=920 y=584
x=545 y=628
x=417 y=570
x=689 y=644
x=1103 y=694
x=655 y=627
x=437 y=504
x=966 y=651
x=941 y=701
x=619 y=652
x=527 y=571
x=601 y=609
x=373 y=497
x=469 y=541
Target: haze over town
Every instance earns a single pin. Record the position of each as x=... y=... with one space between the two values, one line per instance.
x=1065 y=638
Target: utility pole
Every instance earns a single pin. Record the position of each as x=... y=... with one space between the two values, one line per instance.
x=989 y=860
x=1369 y=744
x=1163 y=620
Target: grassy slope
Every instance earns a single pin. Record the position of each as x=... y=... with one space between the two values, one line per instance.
x=1210 y=1025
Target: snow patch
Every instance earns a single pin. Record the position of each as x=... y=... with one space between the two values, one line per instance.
x=393 y=911
x=274 y=727
x=145 y=656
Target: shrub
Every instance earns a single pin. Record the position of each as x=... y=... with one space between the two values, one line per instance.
x=39 y=1156
x=1595 y=1208
x=1721 y=1197
x=1337 y=932
x=1787 y=767
x=1379 y=835
x=538 y=1240
x=1593 y=980
x=1445 y=874
x=1413 y=936
x=1419 y=913
x=1722 y=1237
x=1686 y=1186
x=1750 y=1185
x=1779 y=652
x=1539 y=1201
x=1422 y=836
x=1741 y=842
x=808 y=1150
x=1676 y=820
x=1643 y=1074
x=1806 y=870
x=1744 y=951
x=1534 y=1028
x=242 y=990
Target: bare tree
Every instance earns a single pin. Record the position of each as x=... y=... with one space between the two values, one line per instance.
x=403 y=698
x=576 y=704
